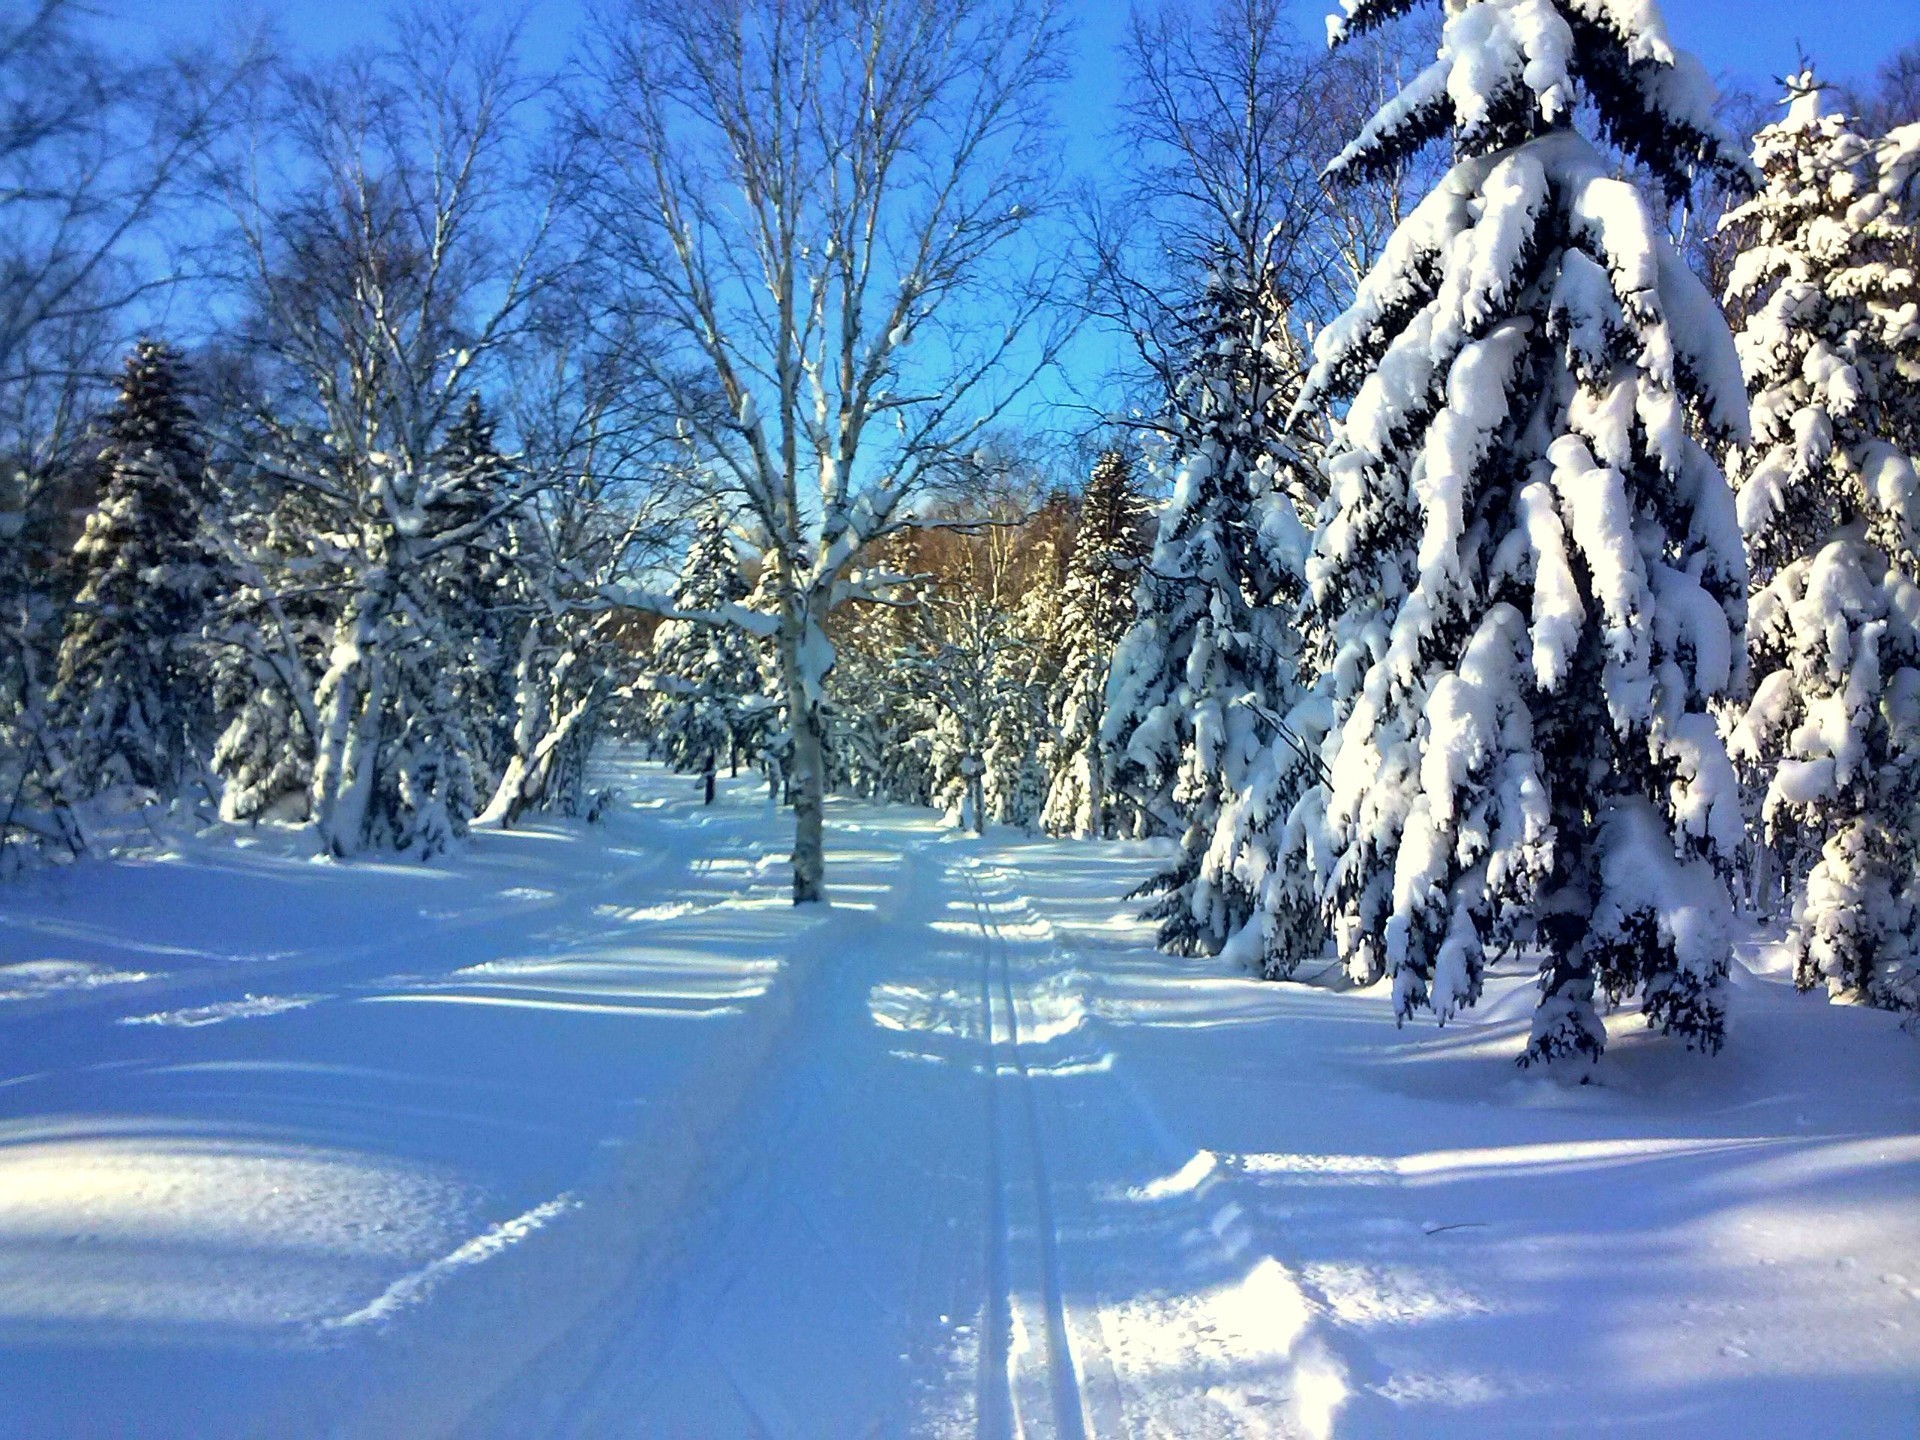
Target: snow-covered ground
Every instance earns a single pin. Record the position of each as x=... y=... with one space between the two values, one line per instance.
x=588 y=1132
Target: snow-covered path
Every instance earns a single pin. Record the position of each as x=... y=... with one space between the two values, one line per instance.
x=590 y=1134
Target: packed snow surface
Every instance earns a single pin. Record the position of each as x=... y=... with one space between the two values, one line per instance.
x=588 y=1132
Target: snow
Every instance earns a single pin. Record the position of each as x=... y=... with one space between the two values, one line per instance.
x=587 y=1130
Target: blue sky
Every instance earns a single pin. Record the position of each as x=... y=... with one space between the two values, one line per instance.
x=1751 y=39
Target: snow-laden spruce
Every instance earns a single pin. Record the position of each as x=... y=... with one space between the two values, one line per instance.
x=131 y=689
x=1210 y=660
x=1096 y=610
x=484 y=587
x=1530 y=573
x=707 y=676
x=1830 y=505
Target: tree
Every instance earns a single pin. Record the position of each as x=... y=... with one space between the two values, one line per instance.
x=600 y=468
x=130 y=689
x=971 y=665
x=93 y=151
x=93 y=148
x=480 y=589
x=1110 y=548
x=1223 y=131
x=798 y=194
x=1830 y=505
x=1529 y=585
x=391 y=237
x=707 y=675
x=880 y=724
x=1211 y=652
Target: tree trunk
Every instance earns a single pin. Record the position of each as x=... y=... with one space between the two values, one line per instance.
x=805 y=778
x=708 y=775
x=809 y=801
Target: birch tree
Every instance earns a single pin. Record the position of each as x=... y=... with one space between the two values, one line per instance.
x=826 y=204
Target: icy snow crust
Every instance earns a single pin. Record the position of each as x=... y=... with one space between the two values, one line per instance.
x=588 y=1132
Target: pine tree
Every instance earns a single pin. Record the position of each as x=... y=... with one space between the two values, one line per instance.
x=708 y=673
x=131 y=689
x=1830 y=505
x=1529 y=584
x=1211 y=652
x=1110 y=549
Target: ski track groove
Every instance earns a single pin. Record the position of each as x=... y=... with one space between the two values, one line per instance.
x=1062 y=1375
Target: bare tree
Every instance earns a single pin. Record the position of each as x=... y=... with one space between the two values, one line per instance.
x=822 y=203
x=92 y=152
x=1892 y=98
x=1228 y=120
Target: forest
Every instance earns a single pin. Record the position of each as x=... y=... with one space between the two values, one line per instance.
x=1467 y=503
x=959 y=718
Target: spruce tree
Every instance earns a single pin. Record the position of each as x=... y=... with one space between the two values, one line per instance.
x=481 y=590
x=882 y=722
x=1529 y=585
x=1110 y=549
x=131 y=689
x=1830 y=506
x=1211 y=653
x=1022 y=672
x=707 y=673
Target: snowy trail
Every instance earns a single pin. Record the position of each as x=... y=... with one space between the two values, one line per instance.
x=589 y=1133
x=890 y=1251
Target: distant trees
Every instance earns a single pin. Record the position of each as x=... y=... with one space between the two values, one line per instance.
x=707 y=707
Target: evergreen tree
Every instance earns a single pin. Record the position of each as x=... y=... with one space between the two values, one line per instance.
x=1211 y=652
x=131 y=689
x=481 y=590
x=882 y=725
x=1110 y=549
x=707 y=674
x=270 y=635
x=1830 y=505
x=1023 y=671
x=1529 y=584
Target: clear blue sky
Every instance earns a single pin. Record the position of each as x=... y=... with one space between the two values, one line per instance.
x=1738 y=40
x=1750 y=39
